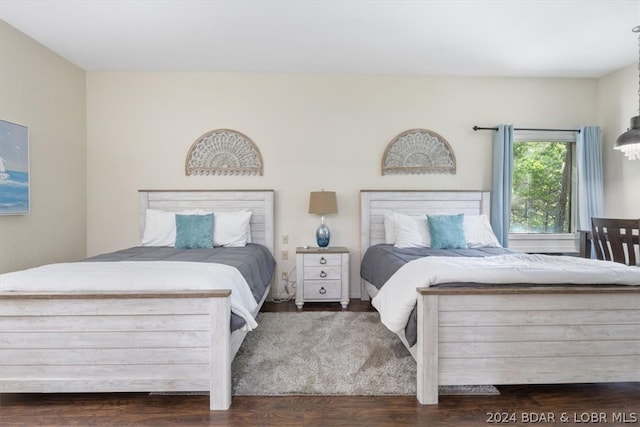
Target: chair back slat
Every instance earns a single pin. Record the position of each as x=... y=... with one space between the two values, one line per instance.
x=615 y=239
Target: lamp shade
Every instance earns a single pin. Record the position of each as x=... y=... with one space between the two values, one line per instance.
x=323 y=202
x=629 y=142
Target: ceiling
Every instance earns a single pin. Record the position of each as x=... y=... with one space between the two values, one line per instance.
x=532 y=38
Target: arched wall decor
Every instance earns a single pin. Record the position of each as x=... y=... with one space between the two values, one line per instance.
x=418 y=151
x=223 y=152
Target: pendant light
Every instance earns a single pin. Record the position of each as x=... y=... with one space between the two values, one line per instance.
x=629 y=142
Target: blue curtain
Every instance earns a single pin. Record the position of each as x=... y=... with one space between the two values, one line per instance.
x=590 y=181
x=502 y=178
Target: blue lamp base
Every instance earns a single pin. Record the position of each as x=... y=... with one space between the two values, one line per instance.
x=322 y=236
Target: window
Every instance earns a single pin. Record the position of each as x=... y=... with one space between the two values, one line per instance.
x=543 y=198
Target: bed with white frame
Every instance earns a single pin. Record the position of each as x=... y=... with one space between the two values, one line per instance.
x=509 y=334
x=163 y=341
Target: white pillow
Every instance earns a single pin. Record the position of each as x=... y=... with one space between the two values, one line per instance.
x=478 y=232
x=389 y=233
x=231 y=229
x=414 y=231
x=411 y=231
x=159 y=228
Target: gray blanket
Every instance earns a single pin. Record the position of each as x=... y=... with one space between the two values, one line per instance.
x=255 y=263
x=380 y=262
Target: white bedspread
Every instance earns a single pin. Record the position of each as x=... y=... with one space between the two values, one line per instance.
x=398 y=296
x=136 y=276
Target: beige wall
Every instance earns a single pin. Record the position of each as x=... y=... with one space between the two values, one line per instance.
x=46 y=93
x=313 y=131
x=617 y=103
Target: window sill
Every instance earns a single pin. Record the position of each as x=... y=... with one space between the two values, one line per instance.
x=544 y=243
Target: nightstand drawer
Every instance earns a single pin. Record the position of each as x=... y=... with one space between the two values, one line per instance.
x=311 y=260
x=322 y=273
x=314 y=290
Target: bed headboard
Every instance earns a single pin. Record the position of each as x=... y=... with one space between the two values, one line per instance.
x=259 y=202
x=375 y=204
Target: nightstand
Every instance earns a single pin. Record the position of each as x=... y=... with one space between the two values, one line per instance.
x=322 y=275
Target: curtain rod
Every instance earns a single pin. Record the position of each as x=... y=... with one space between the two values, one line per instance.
x=541 y=130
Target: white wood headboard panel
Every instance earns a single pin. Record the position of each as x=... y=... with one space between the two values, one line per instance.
x=259 y=202
x=375 y=204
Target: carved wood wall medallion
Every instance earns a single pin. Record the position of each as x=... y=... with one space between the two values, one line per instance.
x=418 y=151
x=223 y=152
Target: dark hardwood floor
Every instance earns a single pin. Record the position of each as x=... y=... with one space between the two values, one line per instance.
x=577 y=404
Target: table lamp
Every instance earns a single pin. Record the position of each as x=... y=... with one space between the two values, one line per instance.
x=322 y=203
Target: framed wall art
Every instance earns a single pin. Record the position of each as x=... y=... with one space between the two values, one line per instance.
x=14 y=169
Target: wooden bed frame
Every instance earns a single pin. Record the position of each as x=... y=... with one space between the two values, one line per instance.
x=131 y=342
x=509 y=334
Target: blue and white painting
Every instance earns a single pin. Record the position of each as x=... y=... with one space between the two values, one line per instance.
x=14 y=169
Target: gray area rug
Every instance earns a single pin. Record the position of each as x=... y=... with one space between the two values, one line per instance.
x=327 y=353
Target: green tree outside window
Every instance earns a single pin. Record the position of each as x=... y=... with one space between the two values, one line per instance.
x=542 y=187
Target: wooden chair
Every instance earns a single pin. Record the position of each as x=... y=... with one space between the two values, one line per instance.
x=615 y=239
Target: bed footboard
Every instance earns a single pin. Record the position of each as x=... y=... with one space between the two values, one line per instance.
x=117 y=342
x=526 y=335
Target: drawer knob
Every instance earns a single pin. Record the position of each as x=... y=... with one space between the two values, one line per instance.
x=323 y=260
x=323 y=290
x=323 y=274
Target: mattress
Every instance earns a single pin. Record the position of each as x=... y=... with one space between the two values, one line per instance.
x=255 y=263
x=381 y=261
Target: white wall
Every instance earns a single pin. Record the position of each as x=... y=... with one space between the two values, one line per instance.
x=617 y=103
x=46 y=93
x=314 y=132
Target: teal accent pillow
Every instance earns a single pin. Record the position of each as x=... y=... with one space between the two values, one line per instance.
x=447 y=231
x=194 y=231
